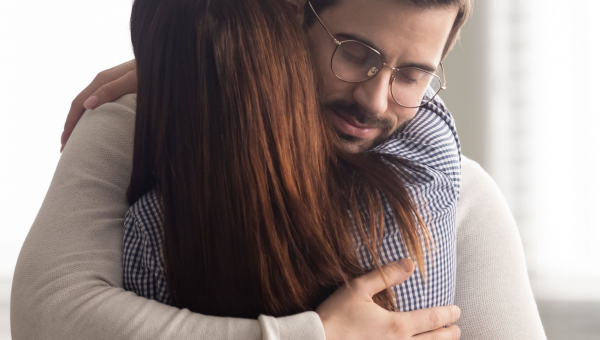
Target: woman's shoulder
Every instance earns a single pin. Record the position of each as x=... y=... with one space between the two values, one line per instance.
x=429 y=142
x=431 y=129
x=145 y=214
x=143 y=233
x=143 y=264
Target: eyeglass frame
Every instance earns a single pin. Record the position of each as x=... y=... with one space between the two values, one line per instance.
x=338 y=43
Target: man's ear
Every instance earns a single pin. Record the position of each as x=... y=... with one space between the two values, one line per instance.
x=298 y=7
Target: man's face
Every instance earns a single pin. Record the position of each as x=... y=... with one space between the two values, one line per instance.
x=364 y=114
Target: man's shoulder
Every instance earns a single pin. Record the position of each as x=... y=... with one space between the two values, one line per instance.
x=474 y=178
x=109 y=119
x=126 y=102
x=481 y=202
x=471 y=169
x=122 y=107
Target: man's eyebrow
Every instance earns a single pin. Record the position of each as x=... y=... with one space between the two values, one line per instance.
x=364 y=40
x=351 y=36
x=424 y=67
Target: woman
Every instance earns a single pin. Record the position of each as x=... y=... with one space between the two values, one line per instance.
x=242 y=202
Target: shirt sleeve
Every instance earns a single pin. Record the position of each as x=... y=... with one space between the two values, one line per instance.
x=143 y=267
x=430 y=143
x=68 y=279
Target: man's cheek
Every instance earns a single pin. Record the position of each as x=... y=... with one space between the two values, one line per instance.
x=403 y=115
x=334 y=89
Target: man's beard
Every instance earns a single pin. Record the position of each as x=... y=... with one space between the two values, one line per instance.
x=355 y=111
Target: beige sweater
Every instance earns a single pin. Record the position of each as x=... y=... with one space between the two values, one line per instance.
x=67 y=284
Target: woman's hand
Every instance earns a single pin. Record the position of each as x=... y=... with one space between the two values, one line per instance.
x=350 y=312
x=108 y=86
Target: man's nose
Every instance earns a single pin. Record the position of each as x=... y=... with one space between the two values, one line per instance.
x=373 y=95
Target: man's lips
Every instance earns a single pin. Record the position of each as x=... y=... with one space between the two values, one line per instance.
x=351 y=127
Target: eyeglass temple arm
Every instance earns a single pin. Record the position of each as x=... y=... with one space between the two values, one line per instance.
x=322 y=24
x=443 y=87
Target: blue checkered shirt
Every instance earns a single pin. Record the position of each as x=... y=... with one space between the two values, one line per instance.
x=429 y=141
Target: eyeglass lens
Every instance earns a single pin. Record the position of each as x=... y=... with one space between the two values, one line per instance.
x=355 y=62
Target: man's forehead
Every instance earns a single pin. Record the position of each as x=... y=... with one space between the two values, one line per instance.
x=400 y=30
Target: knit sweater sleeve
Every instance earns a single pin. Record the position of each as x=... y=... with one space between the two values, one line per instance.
x=492 y=288
x=68 y=279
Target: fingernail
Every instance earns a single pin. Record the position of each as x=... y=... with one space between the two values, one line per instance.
x=405 y=264
x=91 y=102
x=457 y=312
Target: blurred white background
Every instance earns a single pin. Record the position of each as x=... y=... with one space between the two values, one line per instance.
x=522 y=86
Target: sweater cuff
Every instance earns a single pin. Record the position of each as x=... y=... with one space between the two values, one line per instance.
x=303 y=326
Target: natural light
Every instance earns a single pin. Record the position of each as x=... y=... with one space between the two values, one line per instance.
x=540 y=114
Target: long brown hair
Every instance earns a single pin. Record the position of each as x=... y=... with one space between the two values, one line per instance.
x=261 y=210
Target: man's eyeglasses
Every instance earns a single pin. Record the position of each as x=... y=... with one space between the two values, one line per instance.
x=354 y=62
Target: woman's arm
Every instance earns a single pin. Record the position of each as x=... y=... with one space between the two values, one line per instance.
x=492 y=285
x=108 y=86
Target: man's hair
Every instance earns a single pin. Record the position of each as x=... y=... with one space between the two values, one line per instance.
x=464 y=11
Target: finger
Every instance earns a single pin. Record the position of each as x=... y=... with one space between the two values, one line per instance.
x=62 y=144
x=113 y=90
x=75 y=113
x=426 y=320
x=77 y=106
x=102 y=78
x=106 y=93
x=393 y=274
x=448 y=333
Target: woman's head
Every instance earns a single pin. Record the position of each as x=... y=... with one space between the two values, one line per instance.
x=254 y=193
x=228 y=122
x=243 y=64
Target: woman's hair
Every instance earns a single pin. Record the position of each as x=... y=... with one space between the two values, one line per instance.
x=261 y=209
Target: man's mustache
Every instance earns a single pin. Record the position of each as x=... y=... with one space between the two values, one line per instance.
x=355 y=111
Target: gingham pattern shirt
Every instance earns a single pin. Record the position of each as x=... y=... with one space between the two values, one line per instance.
x=429 y=141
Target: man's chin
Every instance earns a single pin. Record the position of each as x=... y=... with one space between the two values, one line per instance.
x=354 y=144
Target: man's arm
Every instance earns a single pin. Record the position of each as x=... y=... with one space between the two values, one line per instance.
x=492 y=285
x=68 y=280
x=66 y=284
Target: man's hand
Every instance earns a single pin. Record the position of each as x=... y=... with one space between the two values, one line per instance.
x=108 y=86
x=350 y=312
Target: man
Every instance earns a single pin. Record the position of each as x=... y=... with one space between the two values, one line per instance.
x=407 y=34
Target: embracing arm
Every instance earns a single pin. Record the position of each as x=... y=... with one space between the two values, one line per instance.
x=492 y=285
x=68 y=280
